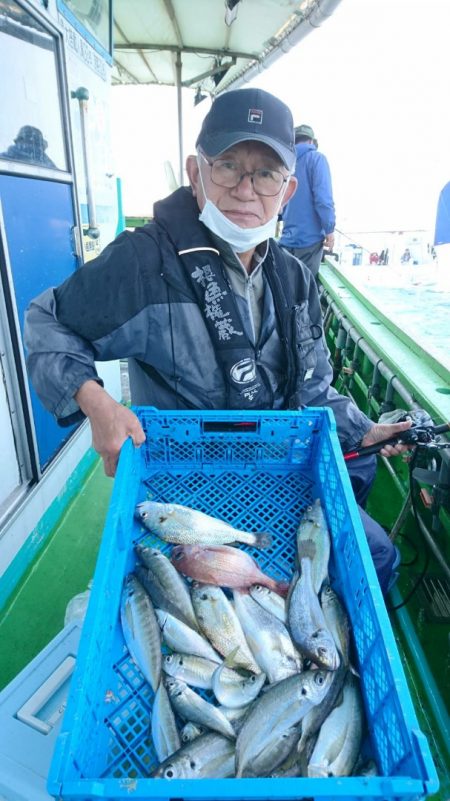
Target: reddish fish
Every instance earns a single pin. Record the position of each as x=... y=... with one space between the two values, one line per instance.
x=223 y=566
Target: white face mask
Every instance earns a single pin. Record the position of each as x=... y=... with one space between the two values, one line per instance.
x=240 y=239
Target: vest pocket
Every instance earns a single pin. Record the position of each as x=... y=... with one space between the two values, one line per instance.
x=304 y=335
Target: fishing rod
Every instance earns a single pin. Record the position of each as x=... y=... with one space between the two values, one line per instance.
x=418 y=435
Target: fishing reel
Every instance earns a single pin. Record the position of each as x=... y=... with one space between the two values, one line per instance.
x=423 y=433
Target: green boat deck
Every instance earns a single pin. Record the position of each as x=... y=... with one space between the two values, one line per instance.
x=35 y=612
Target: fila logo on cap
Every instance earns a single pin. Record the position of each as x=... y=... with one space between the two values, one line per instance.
x=255 y=115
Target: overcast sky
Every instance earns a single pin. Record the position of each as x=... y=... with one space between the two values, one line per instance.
x=373 y=81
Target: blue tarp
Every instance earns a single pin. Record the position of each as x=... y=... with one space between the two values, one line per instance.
x=442 y=232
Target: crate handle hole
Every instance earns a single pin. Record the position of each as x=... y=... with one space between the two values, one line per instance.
x=220 y=427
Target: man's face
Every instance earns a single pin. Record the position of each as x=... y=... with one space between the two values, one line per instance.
x=241 y=204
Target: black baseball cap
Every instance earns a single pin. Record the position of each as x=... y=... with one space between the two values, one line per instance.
x=248 y=114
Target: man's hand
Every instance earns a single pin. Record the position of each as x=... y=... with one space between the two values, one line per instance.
x=111 y=423
x=329 y=241
x=381 y=431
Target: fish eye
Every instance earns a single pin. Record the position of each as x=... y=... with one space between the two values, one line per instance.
x=180 y=662
x=178 y=555
x=304 y=691
x=185 y=738
x=169 y=772
x=144 y=515
x=319 y=679
x=192 y=764
x=169 y=659
x=252 y=679
x=315 y=634
x=204 y=597
x=321 y=651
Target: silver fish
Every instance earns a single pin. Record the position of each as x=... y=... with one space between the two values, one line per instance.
x=276 y=712
x=140 y=630
x=166 y=587
x=290 y=768
x=183 y=639
x=270 y=601
x=236 y=694
x=337 y=620
x=192 y=707
x=276 y=752
x=339 y=741
x=220 y=623
x=172 y=522
x=194 y=670
x=306 y=620
x=313 y=719
x=166 y=739
x=210 y=756
x=313 y=528
x=268 y=639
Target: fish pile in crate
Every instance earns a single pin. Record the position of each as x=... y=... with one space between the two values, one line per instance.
x=256 y=669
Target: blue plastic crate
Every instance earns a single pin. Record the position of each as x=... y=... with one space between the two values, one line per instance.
x=257 y=471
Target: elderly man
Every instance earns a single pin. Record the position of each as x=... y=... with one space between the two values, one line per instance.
x=210 y=312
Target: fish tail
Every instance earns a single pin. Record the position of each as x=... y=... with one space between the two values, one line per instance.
x=306 y=549
x=229 y=660
x=263 y=539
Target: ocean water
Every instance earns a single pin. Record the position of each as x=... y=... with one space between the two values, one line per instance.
x=417 y=300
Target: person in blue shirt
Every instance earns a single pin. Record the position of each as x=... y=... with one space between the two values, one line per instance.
x=309 y=217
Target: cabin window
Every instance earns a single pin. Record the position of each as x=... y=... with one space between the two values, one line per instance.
x=31 y=130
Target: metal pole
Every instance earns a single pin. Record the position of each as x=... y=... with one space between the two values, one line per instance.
x=178 y=66
x=82 y=95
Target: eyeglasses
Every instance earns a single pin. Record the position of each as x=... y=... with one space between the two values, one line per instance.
x=228 y=173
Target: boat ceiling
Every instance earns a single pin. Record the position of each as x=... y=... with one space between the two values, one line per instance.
x=208 y=45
